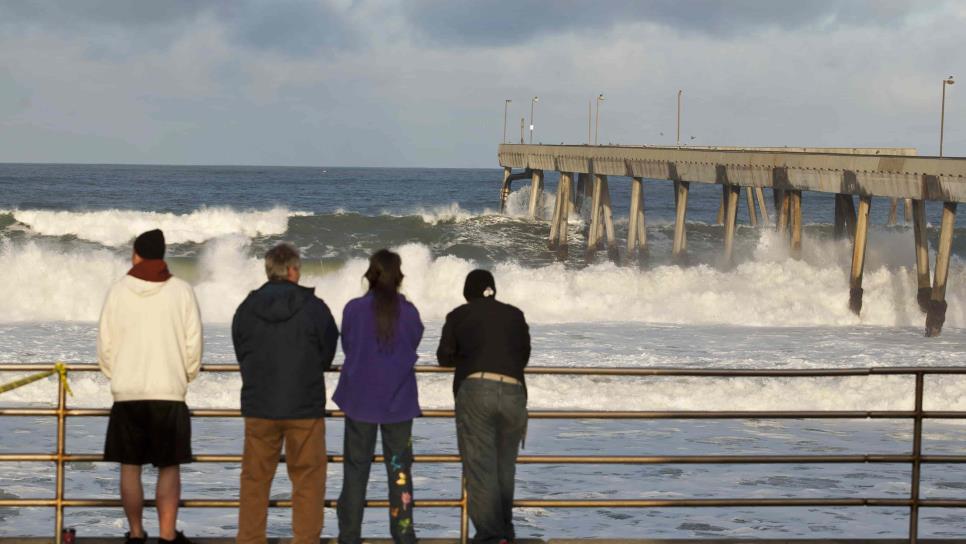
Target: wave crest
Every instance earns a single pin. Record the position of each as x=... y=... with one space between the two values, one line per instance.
x=119 y=227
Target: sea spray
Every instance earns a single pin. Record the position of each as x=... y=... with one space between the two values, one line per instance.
x=45 y=283
x=40 y=283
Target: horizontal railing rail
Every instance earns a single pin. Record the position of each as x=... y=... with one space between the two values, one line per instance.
x=915 y=458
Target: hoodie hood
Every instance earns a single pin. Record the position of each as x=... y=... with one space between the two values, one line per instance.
x=141 y=287
x=278 y=301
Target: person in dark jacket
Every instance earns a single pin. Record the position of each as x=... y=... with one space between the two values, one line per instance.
x=285 y=338
x=377 y=391
x=488 y=343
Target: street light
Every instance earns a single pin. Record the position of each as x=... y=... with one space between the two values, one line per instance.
x=506 y=106
x=533 y=100
x=679 y=117
x=600 y=98
x=942 y=114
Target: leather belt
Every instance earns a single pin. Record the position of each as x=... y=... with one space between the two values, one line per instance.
x=494 y=377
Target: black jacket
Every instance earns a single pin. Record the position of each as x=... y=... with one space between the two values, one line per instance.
x=484 y=335
x=284 y=339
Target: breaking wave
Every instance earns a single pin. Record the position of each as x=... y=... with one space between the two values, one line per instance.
x=41 y=281
x=119 y=227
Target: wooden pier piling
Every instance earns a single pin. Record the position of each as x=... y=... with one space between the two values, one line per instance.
x=536 y=191
x=795 y=198
x=839 y=231
x=844 y=216
x=733 y=193
x=612 y=252
x=719 y=218
x=750 y=200
x=858 y=255
x=602 y=221
x=783 y=206
x=636 y=233
x=505 y=190
x=760 y=195
x=681 y=189
x=936 y=315
x=561 y=213
x=593 y=233
x=924 y=293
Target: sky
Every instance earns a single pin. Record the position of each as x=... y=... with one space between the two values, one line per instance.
x=423 y=83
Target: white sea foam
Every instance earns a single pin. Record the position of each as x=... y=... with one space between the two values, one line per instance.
x=119 y=227
x=452 y=213
x=518 y=203
x=38 y=282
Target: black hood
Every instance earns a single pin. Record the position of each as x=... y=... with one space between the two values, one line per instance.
x=278 y=301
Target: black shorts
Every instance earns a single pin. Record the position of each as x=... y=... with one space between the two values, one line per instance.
x=149 y=431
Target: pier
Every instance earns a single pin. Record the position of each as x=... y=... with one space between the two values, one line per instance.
x=895 y=173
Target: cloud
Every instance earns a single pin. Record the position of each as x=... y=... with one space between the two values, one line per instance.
x=289 y=27
x=512 y=22
x=358 y=83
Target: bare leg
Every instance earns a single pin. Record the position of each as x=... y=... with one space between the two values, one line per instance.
x=167 y=495
x=132 y=498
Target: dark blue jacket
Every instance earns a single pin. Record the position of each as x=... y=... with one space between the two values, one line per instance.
x=284 y=339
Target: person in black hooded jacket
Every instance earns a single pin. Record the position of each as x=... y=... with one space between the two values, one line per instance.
x=488 y=343
x=284 y=338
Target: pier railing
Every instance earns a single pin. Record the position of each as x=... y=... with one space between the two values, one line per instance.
x=61 y=457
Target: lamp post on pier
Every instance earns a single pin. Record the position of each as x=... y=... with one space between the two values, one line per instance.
x=679 y=117
x=600 y=98
x=942 y=113
x=506 y=107
x=533 y=101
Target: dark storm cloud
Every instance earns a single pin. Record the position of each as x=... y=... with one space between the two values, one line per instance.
x=507 y=22
x=289 y=27
x=296 y=27
x=81 y=14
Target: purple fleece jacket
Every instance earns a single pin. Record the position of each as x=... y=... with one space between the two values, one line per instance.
x=377 y=383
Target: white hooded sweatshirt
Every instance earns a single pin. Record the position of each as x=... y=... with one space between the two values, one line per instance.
x=149 y=342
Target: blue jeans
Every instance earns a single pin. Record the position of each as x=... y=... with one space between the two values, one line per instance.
x=397 y=447
x=491 y=418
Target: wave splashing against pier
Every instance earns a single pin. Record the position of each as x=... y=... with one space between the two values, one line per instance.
x=42 y=279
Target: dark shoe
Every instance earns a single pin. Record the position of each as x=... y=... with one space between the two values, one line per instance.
x=179 y=538
x=128 y=539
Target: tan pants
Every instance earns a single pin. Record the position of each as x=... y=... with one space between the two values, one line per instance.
x=305 y=457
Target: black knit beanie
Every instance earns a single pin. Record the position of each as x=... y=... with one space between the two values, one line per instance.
x=477 y=283
x=150 y=244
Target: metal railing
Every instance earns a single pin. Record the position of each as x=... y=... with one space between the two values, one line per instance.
x=61 y=457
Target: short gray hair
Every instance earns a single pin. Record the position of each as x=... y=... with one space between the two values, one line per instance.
x=279 y=259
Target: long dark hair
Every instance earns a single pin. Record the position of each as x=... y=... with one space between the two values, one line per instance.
x=385 y=276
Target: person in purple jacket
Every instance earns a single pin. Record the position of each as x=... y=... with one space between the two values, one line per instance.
x=377 y=390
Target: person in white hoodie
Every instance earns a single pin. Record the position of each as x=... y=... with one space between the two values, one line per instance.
x=149 y=346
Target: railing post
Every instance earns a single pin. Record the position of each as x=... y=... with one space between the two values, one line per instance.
x=61 y=425
x=464 y=512
x=916 y=462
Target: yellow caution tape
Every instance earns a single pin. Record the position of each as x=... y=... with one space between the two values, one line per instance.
x=59 y=368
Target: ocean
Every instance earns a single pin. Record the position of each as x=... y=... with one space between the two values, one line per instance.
x=66 y=232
